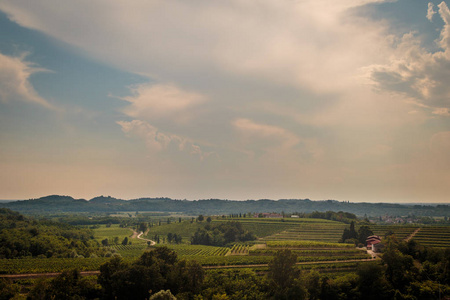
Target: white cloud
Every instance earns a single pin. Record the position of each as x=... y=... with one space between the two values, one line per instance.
x=430 y=12
x=153 y=101
x=415 y=72
x=313 y=44
x=445 y=33
x=14 y=81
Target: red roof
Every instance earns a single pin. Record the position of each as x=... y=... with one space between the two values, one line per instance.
x=373 y=242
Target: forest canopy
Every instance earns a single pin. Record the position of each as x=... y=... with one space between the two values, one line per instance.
x=22 y=236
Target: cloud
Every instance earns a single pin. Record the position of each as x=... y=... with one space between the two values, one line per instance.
x=418 y=73
x=430 y=12
x=262 y=139
x=304 y=44
x=153 y=101
x=157 y=141
x=442 y=111
x=282 y=82
x=275 y=136
x=14 y=81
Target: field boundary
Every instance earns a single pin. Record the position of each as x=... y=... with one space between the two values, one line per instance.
x=413 y=234
x=97 y=272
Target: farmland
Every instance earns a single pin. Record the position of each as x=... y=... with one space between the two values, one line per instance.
x=313 y=241
x=433 y=236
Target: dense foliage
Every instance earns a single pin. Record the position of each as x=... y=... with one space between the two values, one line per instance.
x=221 y=234
x=155 y=270
x=340 y=216
x=350 y=235
x=25 y=237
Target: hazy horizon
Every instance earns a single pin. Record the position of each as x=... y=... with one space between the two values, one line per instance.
x=149 y=197
x=318 y=99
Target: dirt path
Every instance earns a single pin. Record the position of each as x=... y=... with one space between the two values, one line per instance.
x=138 y=236
x=412 y=234
x=43 y=275
x=134 y=235
x=373 y=254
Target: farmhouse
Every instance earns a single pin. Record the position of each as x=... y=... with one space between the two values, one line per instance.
x=371 y=241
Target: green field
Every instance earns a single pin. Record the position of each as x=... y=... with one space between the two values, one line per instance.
x=49 y=265
x=313 y=240
x=433 y=236
x=111 y=232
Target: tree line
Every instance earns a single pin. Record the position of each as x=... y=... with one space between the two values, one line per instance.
x=222 y=234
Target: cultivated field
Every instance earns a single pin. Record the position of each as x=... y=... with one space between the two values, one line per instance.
x=433 y=236
x=313 y=240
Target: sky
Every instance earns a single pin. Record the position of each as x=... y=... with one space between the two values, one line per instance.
x=271 y=99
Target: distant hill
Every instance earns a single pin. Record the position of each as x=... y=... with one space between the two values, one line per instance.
x=58 y=204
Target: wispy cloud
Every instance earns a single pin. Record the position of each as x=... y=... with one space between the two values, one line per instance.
x=275 y=136
x=155 y=101
x=14 y=81
x=430 y=12
x=158 y=141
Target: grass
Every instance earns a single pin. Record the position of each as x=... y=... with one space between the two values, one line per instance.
x=111 y=232
x=185 y=229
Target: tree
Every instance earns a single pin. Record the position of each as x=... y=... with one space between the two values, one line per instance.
x=282 y=271
x=67 y=285
x=372 y=283
x=352 y=231
x=208 y=219
x=186 y=277
x=143 y=227
x=8 y=289
x=349 y=234
x=153 y=271
x=399 y=267
x=363 y=233
x=125 y=241
x=200 y=218
x=163 y=295
x=107 y=270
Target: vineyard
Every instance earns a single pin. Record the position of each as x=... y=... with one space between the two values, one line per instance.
x=433 y=236
x=400 y=231
x=332 y=232
x=187 y=251
x=48 y=265
x=133 y=250
x=239 y=249
x=314 y=241
x=265 y=228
